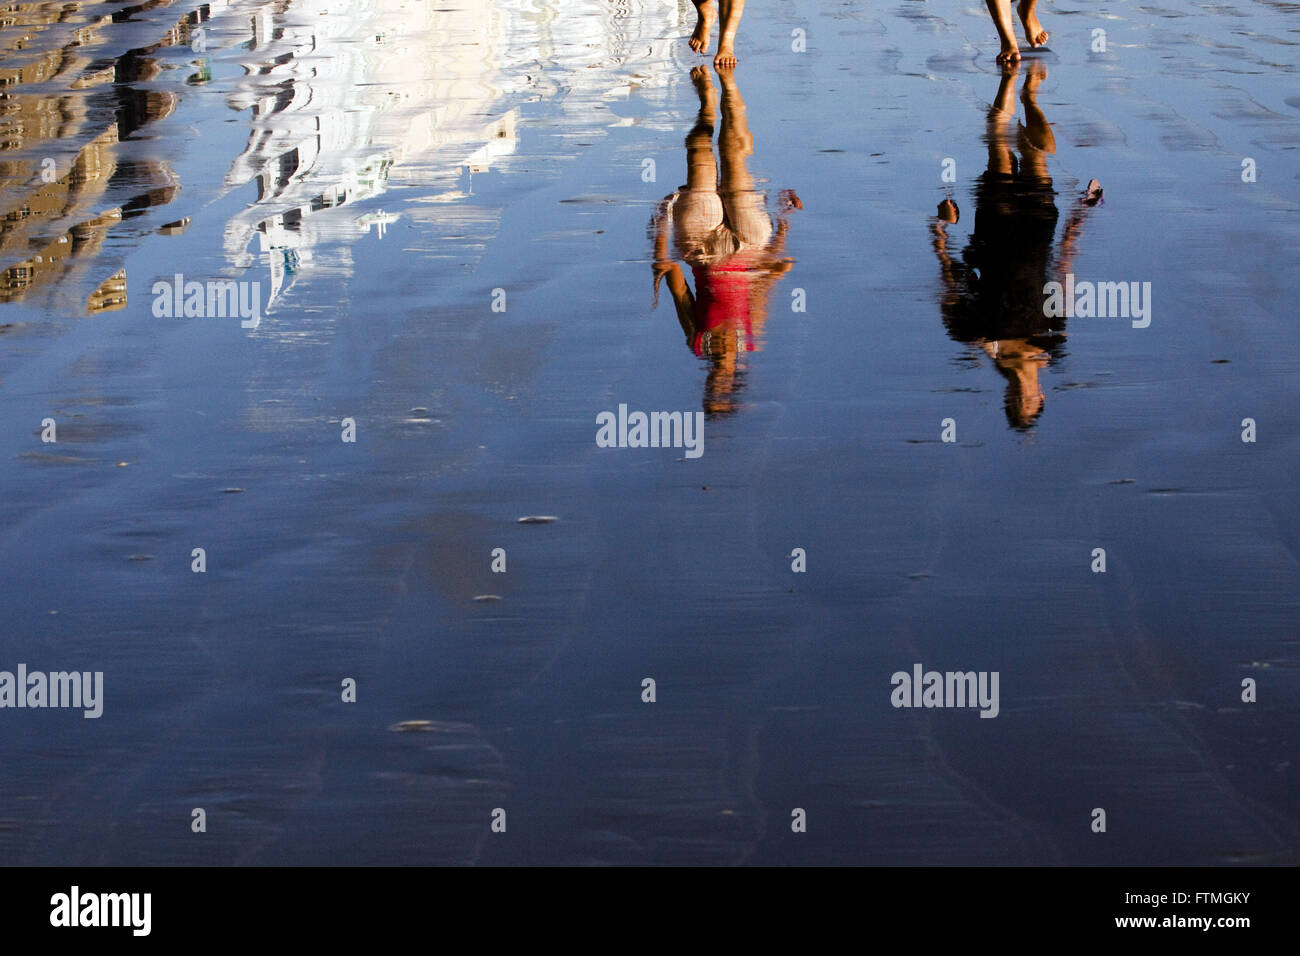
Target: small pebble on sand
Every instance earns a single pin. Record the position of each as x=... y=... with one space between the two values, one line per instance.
x=409 y=726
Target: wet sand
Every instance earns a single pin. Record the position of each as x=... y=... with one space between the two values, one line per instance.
x=380 y=176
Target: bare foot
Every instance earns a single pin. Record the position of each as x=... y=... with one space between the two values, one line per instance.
x=726 y=58
x=707 y=12
x=1010 y=54
x=1034 y=31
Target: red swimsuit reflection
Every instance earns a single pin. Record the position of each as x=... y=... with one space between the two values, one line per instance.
x=722 y=230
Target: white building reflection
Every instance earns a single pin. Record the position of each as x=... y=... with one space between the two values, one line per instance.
x=348 y=102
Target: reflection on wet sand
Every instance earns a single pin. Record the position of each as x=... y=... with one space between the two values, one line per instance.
x=721 y=229
x=992 y=297
x=329 y=559
x=49 y=215
x=332 y=117
x=336 y=103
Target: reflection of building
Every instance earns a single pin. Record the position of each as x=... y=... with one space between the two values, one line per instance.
x=61 y=191
x=337 y=101
x=29 y=218
x=343 y=98
x=342 y=102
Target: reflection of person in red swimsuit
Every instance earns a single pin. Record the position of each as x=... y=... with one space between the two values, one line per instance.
x=722 y=298
x=722 y=230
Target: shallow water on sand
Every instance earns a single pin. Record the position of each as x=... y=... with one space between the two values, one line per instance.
x=381 y=173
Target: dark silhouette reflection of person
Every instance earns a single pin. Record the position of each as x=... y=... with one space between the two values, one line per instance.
x=720 y=228
x=993 y=296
